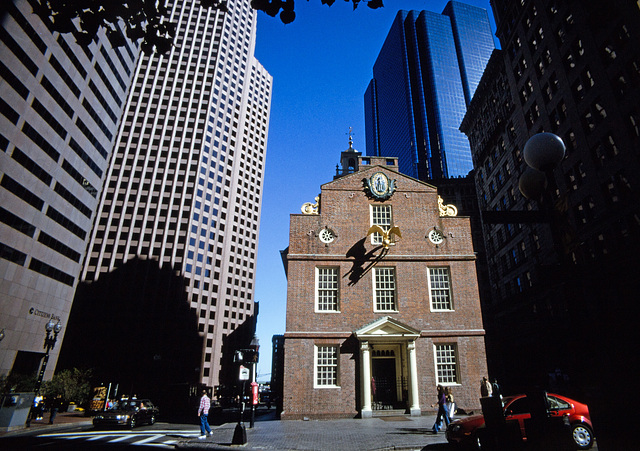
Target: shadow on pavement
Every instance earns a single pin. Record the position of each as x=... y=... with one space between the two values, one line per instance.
x=409 y=431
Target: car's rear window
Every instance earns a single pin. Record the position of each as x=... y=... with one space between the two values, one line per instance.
x=557 y=403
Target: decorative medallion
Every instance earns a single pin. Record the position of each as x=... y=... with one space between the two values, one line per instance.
x=326 y=235
x=380 y=186
x=435 y=236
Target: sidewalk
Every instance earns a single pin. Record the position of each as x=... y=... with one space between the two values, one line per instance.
x=63 y=420
x=382 y=433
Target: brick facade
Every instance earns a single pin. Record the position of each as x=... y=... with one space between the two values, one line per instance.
x=344 y=207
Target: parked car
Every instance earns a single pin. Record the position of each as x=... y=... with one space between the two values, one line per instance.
x=128 y=412
x=464 y=431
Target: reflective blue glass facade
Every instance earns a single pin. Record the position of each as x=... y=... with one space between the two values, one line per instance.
x=424 y=77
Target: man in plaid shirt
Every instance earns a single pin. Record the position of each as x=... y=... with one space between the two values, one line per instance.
x=203 y=411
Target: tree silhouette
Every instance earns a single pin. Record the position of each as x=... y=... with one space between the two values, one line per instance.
x=144 y=20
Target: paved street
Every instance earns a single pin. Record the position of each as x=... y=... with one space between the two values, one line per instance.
x=75 y=432
x=400 y=432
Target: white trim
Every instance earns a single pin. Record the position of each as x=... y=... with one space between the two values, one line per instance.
x=376 y=238
x=457 y=363
x=316 y=289
x=395 y=290
x=315 y=367
x=429 y=293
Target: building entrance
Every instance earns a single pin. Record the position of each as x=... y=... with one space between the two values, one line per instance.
x=388 y=385
x=389 y=371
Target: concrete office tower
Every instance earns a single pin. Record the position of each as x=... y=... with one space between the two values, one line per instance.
x=424 y=78
x=60 y=108
x=185 y=185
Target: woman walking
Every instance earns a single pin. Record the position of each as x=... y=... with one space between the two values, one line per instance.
x=442 y=412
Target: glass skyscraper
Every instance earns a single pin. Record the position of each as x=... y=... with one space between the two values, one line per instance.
x=424 y=78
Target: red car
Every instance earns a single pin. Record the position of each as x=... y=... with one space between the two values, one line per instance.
x=464 y=432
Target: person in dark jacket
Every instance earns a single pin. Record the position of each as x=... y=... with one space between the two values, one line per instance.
x=54 y=407
x=495 y=389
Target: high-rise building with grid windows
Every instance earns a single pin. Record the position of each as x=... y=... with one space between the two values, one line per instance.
x=185 y=185
x=60 y=108
x=423 y=79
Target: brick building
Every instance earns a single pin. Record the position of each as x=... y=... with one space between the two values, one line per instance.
x=376 y=320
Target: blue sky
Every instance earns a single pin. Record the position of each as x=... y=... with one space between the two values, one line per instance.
x=321 y=65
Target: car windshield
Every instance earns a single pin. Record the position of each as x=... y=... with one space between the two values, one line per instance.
x=129 y=405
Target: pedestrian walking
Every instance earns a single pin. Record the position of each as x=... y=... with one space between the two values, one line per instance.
x=203 y=413
x=54 y=407
x=442 y=413
x=450 y=404
x=39 y=406
x=495 y=389
x=485 y=388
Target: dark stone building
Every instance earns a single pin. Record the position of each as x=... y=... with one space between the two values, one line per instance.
x=562 y=310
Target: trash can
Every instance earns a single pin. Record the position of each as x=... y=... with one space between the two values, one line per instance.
x=14 y=410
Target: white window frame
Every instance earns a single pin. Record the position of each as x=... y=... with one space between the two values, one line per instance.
x=438 y=290
x=446 y=360
x=381 y=215
x=390 y=270
x=326 y=366
x=321 y=286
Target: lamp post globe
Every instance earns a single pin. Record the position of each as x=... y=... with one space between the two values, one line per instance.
x=544 y=151
x=532 y=184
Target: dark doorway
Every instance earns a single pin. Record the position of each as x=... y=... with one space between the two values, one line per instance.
x=385 y=395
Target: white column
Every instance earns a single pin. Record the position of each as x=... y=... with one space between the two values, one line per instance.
x=365 y=361
x=413 y=379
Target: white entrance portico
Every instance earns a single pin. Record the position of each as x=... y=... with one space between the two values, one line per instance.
x=388 y=362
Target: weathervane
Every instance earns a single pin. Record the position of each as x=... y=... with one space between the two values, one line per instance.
x=350 y=133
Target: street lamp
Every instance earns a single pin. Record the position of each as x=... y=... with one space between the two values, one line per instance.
x=52 y=329
x=249 y=355
x=543 y=152
x=49 y=344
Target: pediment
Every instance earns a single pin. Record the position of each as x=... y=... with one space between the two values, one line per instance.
x=386 y=327
x=355 y=180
